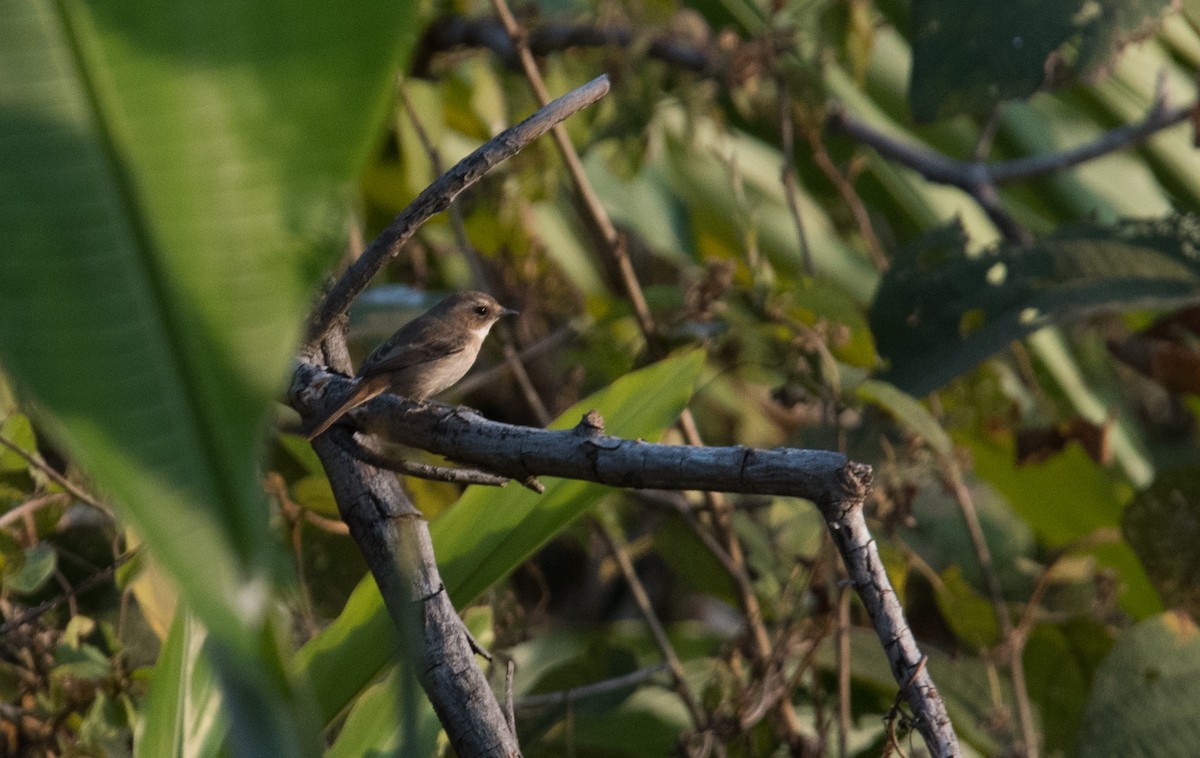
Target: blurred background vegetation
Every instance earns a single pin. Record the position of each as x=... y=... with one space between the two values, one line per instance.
x=1014 y=350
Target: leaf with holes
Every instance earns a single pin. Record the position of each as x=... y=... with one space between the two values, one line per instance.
x=939 y=311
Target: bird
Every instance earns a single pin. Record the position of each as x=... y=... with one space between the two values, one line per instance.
x=424 y=357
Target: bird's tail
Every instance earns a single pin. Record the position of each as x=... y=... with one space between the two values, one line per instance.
x=362 y=392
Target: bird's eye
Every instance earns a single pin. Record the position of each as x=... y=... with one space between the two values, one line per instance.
x=481 y=310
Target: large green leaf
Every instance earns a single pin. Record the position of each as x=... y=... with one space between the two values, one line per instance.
x=490 y=532
x=170 y=178
x=1145 y=699
x=939 y=311
x=390 y=718
x=968 y=56
x=182 y=710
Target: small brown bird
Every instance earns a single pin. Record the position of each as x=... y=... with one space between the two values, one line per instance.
x=427 y=355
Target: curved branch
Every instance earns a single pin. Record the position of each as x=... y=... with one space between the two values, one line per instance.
x=437 y=197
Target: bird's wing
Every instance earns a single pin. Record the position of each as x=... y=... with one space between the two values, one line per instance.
x=394 y=356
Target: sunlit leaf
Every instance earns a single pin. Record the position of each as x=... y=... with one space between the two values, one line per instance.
x=490 y=532
x=170 y=187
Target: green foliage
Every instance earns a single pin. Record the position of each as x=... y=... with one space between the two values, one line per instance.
x=175 y=179
x=1144 y=697
x=970 y=56
x=940 y=311
x=182 y=710
x=171 y=185
x=487 y=533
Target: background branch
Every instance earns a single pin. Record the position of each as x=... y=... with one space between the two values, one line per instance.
x=941 y=168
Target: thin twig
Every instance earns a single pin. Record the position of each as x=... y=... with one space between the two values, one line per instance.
x=845 y=187
x=587 y=195
x=30 y=507
x=439 y=195
x=102 y=575
x=36 y=461
x=544 y=345
x=1104 y=536
x=941 y=168
x=1013 y=645
x=457 y=224
x=843 y=671
x=787 y=173
x=603 y=687
x=616 y=548
x=380 y=459
x=451 y=32
x=510 y=710
x=615 y=248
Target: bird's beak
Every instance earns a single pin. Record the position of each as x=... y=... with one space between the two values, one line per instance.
x=509 y=312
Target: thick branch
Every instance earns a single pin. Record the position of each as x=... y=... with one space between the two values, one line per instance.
x=584 y=452
x=394 y=540
x=437 y=197
x=837 y=486
x=853 y=540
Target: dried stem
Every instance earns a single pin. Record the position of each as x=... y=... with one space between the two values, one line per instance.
x=787 y=173
x=595 y=209
x=616 y=547
x=1010 y=642
x=36 y=461
x=103 y=575
x=615 y=248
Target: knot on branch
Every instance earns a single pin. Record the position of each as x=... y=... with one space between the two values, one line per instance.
x=591 y=425
x=855 y=480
